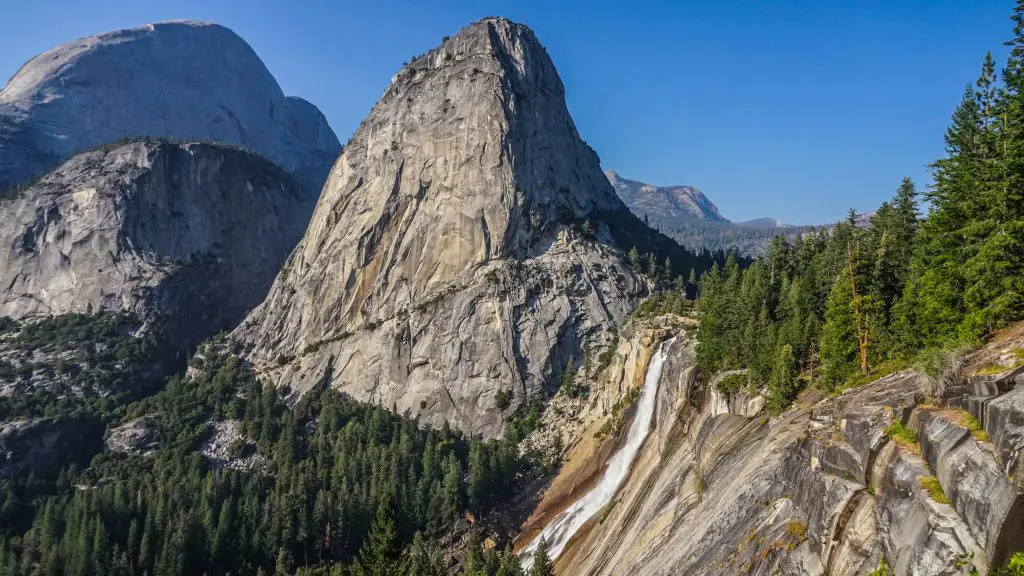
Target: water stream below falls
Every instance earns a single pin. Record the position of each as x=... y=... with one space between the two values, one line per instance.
x=558 y=532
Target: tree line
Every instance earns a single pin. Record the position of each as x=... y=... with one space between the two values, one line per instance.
x=835 y=306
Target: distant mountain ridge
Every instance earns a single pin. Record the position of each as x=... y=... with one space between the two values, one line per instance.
x=667 y=201
x=763 y=223
x=688 y=216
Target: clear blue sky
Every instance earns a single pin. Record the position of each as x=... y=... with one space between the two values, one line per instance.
x=784 y=108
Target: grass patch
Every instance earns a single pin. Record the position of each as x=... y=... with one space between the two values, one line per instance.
x=878 y=372
x=1018 y=355
x=933 y=488
x=903 y=436
x=967 y=420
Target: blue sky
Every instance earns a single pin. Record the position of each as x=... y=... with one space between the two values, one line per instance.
x=796 y=109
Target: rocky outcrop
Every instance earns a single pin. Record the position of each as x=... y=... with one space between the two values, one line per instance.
x=184 y=80
x=448 y=262
x=835 y=485
x=186 y=235
x=136 y=437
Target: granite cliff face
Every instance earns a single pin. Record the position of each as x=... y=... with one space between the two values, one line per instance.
x=824 y=488
x=183 y=80
x=187 y=234
x=447 y=264
x=670 y=202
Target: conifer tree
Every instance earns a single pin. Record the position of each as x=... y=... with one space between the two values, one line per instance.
x=839 y=343
x=782 y=385
x=380 y=553
x=542 y=565
x=474 y=564
x=994 y=276
x=510 y=565
x=634 y=259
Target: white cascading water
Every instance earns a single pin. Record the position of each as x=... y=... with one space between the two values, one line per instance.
x=562 y=527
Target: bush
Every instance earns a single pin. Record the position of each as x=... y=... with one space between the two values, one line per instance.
x=733 y=383
x=943 y=368
x=503 y=399
x=1014 y=566
x=882 y=570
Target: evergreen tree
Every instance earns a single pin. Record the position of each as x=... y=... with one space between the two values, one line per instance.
x=839 y=343
x=994 y=277
x=423 y=560
x=474 y=564
x=380 y=554
x=510 y=565
x=782 y=386
x=634 y=259
x=542 y=565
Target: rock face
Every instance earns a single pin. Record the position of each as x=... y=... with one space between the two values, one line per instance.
x=673 y=202
x=190 y=234
x=45 y=445
x=182 y=80
x=446 y=263
x=824 y=488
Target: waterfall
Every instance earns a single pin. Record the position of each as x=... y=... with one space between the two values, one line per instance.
x=558 y=532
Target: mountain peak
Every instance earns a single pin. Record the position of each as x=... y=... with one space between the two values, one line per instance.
x=442 y=227
x=181 y=79
x=669 y=202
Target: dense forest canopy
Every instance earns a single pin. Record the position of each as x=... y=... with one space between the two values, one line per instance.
x=332 y=486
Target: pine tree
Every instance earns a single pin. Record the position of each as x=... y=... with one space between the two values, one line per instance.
x=424 y=561
x=782 y=385
x=380 y=554
x=839 y=343
x=937 y=268
x=542 y=565
x=994 y=276
x=712 y=329
x=474 y=564
x=634 y=259
x=283 y=563
x=509 y=565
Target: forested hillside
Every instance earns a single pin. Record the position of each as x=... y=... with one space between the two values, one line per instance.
x=324 y=485
x=834 y=307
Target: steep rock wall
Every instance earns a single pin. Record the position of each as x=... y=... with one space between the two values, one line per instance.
x=187 y=234
x=445 y=264
x=819 y=489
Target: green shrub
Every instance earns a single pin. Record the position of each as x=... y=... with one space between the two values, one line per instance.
x=733 y=383
x=503 y=399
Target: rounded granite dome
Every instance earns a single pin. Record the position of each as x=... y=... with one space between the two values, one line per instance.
x=183 y=79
